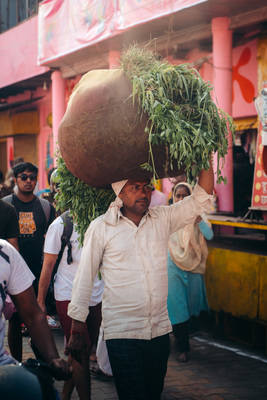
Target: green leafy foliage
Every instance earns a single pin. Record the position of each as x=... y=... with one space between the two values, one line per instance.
x=182 y=114
x=85 y=202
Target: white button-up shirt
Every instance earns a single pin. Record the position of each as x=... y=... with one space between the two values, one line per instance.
x=133 y=263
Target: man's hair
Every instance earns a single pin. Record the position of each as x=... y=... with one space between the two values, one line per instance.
x=24 y=166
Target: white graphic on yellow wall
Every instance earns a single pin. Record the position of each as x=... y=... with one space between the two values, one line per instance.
x=26 y=223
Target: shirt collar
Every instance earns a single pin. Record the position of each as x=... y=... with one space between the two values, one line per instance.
x=114 y=214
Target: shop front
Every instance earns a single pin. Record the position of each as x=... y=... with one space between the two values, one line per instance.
x=236 y=276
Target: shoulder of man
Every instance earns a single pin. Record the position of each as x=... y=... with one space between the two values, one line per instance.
x=6 y=204
x=9 y=199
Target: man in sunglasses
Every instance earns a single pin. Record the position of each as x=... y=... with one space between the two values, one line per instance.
x=34 y=218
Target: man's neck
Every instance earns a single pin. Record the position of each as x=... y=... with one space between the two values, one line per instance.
x=135 y=218
x=25 y=197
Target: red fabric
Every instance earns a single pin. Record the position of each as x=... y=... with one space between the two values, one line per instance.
x=93 y=321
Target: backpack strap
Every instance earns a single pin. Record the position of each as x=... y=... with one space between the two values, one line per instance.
x=65 y=239
x=46 y=208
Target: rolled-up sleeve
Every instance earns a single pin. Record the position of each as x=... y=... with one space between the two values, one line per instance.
x=84 y=279
x=185 y=212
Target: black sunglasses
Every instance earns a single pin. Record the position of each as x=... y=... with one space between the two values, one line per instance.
x=24 y=177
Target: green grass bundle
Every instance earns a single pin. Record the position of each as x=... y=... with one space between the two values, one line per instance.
x=85 y=202
x=182 y=114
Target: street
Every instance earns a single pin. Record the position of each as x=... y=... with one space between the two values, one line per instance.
x=218 y=369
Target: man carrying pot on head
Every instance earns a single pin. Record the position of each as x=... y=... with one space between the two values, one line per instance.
x=128 y=244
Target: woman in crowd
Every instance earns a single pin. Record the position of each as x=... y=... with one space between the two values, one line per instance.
x=187 y=257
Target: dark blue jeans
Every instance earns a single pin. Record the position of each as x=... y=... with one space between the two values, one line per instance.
x=139 y=366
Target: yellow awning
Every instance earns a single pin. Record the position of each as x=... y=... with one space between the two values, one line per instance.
x=246 y=123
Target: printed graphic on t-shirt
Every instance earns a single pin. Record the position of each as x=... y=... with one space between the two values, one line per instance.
x=26 y=223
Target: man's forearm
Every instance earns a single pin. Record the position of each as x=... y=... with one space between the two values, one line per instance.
x=45 y=277
x=38 y=329
x=35 y=321
x=206 y=179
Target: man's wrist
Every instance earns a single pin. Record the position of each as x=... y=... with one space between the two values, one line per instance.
x=77 y=326
x=41 y=302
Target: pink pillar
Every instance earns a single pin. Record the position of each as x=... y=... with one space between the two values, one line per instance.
x=113 y=59
x=222 y=63
x=10 y=151
x=58 y=105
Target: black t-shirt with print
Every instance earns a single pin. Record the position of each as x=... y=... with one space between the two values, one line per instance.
x=33 y=227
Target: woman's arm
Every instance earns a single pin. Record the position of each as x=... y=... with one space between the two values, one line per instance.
x=205 y=229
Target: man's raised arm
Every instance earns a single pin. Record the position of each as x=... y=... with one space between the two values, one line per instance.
x=206 y=178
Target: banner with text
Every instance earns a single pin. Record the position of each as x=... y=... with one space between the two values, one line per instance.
x=67 y=26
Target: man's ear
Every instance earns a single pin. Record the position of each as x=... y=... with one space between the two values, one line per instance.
x=120 y=195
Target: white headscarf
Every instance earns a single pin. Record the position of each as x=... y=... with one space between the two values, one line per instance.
x=187 y=247
x=118 y=186
x=116 y=205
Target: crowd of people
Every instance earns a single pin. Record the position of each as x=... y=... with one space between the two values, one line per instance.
x=138 y=244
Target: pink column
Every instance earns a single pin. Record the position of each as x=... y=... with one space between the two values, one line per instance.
x=10 y=151
x=222 y=63
x=58 y=105
x=113 y=59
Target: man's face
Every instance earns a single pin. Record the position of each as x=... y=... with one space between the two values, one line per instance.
x=26 y=181
x=136 y=196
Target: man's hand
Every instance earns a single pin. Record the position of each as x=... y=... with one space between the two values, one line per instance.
x=62 y=370
x=77 y=347
x=198 y=219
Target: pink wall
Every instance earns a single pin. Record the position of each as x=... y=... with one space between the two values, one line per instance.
x=45 y=139
x=244 y=79
x=19 y=49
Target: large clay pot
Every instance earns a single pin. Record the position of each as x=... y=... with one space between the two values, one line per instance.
x=102 y=138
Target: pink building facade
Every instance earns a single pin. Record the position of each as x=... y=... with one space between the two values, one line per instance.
x=45 y=56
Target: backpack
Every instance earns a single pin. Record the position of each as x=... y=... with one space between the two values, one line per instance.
x=65 y=240
x=44 y=203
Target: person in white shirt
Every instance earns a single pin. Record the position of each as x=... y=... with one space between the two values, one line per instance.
x=16 y=280
x=63 y=283
x=128 y=244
